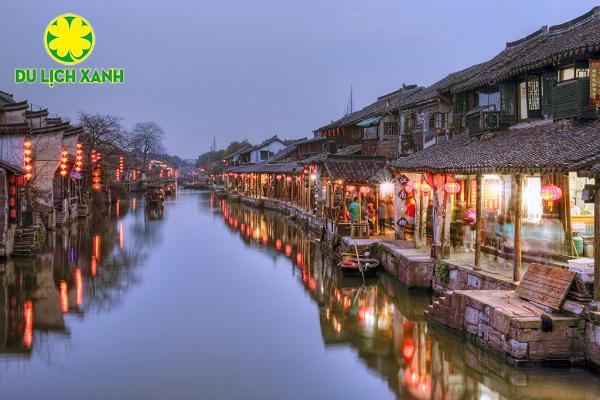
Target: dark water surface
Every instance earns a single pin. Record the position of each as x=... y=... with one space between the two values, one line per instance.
x=214 y=300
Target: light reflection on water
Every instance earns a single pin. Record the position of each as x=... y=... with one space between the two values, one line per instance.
x=205 y=298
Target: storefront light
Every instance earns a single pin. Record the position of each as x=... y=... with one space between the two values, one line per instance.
x=386 y=188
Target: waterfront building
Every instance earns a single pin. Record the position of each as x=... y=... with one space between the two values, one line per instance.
x=46 y=147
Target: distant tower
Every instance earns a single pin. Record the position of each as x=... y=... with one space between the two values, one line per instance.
x=213 y=146
x=350 y=105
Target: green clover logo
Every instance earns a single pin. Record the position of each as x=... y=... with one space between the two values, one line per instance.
x=69 y=39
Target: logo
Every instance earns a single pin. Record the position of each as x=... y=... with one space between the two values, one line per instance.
x=69 y=39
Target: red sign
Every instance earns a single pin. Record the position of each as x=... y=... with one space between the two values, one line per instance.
x=595 y=82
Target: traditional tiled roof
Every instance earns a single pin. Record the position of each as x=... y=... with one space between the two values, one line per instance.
x=353 y=169
x=15 y=169
x=239 y=151
x=6 y=98
x=434 y=91
x=544 y=47
x=386 y=103
x=551 y=147
x=322 y=156
x=267 y=168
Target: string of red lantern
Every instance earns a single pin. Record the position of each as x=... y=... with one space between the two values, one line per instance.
x=63 y=161
x=27 y=159
x=78 y=158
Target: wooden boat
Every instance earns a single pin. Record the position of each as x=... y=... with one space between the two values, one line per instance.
x=155 y=197
x=357 y=266
x=170 y=188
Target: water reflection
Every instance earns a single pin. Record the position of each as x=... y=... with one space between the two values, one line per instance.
x=383 y=322
x=212 y=320
x=85 y=268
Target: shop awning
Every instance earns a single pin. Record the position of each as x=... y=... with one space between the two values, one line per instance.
x=369 y=122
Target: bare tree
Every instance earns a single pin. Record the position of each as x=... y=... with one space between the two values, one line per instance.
x=146 y=139
x=103 y=131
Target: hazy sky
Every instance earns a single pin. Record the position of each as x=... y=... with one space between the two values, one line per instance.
x=250 y=69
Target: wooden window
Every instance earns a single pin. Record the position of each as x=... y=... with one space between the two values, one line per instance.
x=566 y=74
x=390 y=128
x=533 y=93
x=507 y=101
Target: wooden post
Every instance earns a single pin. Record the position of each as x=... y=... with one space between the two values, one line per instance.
x=418 y=218
x=566 y=214
x=597 y=242
x=518 y=223
x=478 y=212
x=444 y=216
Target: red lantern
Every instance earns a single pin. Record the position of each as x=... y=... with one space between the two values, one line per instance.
x=13 y=213
x=288 y=179
x=452 y=187
x=365 y=189
x=350 y=188
x=279 y=177
x=551 y=192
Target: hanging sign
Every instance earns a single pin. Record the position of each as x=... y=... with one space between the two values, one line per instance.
x=595 y=82
x=402 y=194
x=403 y=179
x=402 y=222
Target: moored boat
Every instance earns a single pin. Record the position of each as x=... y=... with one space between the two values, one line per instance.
x=155 y=196
x=355 y=265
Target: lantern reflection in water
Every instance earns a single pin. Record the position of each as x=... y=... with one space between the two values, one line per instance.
x=133 y=203
x=288 y=250
x=64 y=296
x=78 y=287
x=121 y=236
x=28 y=320
x=93 y=266
x=97 y=247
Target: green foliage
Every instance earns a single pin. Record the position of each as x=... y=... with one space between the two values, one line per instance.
x=442 y=271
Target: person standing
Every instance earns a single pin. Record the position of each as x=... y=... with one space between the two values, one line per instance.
x=381 y=215
x=354 y=210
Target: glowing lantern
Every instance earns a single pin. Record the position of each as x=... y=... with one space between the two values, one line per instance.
x=78 y=158
x=278 y=244
x=279 y=177
x=27 y=159
x=452 y=187
x=425 y=188
x=365 y=189
x=288 y=179
x=551 y=193
x=63 y=161
x=299 y=178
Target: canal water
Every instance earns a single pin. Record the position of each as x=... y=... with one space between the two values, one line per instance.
x=214 y=300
